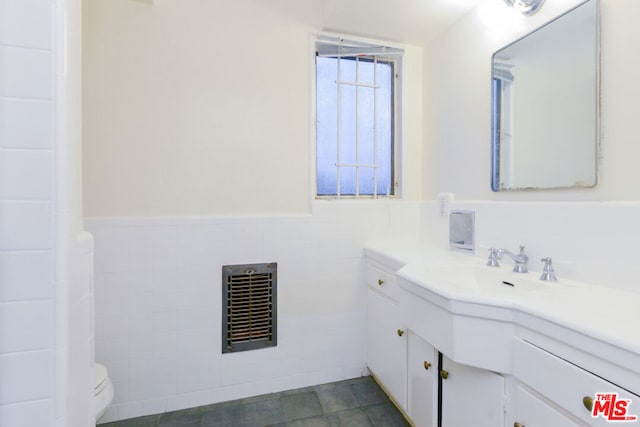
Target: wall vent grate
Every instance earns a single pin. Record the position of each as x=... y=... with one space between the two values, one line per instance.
x=249 y=305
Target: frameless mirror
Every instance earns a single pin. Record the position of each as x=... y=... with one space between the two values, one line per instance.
x=545 y=105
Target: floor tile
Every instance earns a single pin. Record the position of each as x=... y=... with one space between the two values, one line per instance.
x=385 y=415
x=336 y=397
x=219 y=405
x=357 y=380
x=148 y=421
x=297 y=391
x=311 y=422
x=183 y=418
x=260 y=398
x=368 y=393
x=225 y=416
x=351 y=418
x=263 y=413
x=300 y=406
x=357 y=402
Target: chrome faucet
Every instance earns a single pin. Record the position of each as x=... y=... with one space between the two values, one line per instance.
x=548 y=273
x=520 y=260
x=494 y=258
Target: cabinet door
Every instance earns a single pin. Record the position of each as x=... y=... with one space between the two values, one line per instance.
x=387 y=346
x=471 y=396
x=422 y=382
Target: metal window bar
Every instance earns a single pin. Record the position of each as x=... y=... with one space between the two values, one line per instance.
x=375 y=127
x=338 y=86
x=349 y=53
x=357 y=128
x=357 y=165
x=357 y=84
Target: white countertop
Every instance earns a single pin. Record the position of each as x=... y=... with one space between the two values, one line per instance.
x=606 y=320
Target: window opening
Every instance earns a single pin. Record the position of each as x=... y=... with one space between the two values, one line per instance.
x=355 y=120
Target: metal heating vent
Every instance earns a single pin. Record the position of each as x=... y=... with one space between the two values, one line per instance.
x=249 y=306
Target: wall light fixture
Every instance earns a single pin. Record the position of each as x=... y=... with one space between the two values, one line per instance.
x=526 y=7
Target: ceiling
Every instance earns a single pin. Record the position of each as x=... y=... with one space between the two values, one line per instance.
x=408 y=21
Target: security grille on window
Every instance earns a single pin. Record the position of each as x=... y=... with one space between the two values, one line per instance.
x=355 y=119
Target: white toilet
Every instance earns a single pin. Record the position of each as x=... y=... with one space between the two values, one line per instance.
x=103 y=390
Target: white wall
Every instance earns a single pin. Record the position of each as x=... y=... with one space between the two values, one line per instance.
x=591 y=234
x=457 y=109
x=26 y=212
x=46 y=349
x=158 y=302
x=75 y=335
x=198 y=152
x=591 y=242
x=201 y=107
x=27 y=205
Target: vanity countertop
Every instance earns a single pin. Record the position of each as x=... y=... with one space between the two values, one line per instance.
x=603 y=321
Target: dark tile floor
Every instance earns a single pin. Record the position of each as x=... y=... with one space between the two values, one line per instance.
x=358 y=403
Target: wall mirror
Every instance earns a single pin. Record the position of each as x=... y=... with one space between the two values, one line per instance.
x=545 y=105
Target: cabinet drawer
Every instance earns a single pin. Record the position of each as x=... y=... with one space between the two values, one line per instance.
x=382 y=281
x=530 y=411
x=566 y=384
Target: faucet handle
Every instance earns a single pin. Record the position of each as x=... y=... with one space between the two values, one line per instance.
x=523 y=255
x=494 y=257
x=548 y=273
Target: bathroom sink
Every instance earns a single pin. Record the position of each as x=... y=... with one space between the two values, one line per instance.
x=481 y=278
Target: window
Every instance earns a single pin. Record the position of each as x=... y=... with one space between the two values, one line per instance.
x=355 y=120
x=502 y=126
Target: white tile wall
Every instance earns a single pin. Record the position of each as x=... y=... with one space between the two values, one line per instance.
x=27 y=178
x=32 y=169
x=27 y=23
x=80 y=357
x=26 y=376
x=158 y=302
x=36 y=314
x=26 y=123
x=158 y=288
x=33 y=413
x=26 y=226
x=33 y=270
x=26 y=73
x=593 y=242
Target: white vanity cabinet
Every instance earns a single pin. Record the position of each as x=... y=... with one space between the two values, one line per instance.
x=560 y=355
x=471 y=396
x=386 y=335
x=422 y=382
x=563 y=387
x=407 y=365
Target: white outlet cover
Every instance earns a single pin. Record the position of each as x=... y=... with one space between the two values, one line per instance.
x=444 y=203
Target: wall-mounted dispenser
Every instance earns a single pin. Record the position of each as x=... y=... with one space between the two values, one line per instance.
x=462 y=230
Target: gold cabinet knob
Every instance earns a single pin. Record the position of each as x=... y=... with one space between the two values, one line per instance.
x=427 y=365
x=517 y=424
x=400 y=332
x=444 y=374
x=587 y=401
x=380 y=282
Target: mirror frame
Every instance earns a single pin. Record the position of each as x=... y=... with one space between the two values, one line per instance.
x=495 y=148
